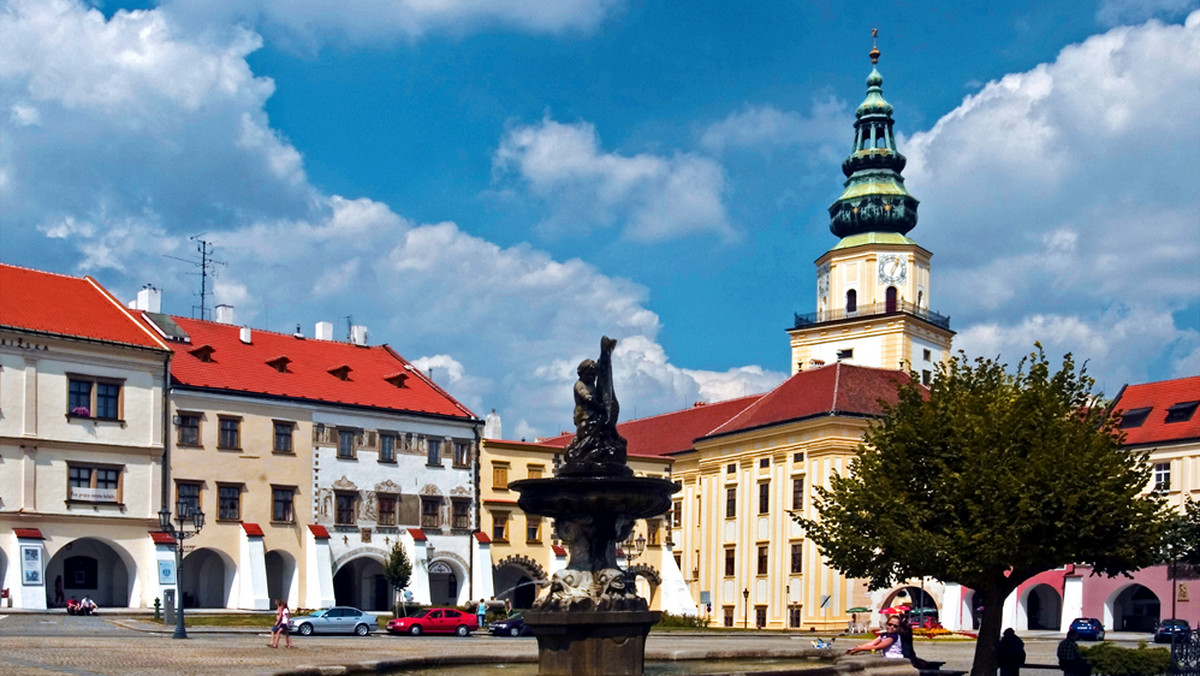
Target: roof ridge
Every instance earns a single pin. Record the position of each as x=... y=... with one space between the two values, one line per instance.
x=741 y=413
x=409 y=366
x=125 y=311
x=690 y=408
x=837 y=381
x=281 y=334
x=43 y=272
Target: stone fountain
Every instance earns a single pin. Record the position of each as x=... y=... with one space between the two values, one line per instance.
x=590 y=620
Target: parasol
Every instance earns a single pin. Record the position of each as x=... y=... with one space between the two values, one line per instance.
x=858 y=609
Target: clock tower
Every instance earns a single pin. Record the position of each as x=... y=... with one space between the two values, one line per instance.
x=873 y=286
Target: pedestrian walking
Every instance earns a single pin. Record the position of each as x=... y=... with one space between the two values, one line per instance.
x=60 y=599
x=1010 y=653
x=283 y=618
x=1070 y=660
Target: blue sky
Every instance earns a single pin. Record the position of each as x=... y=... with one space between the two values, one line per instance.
x=490 y=186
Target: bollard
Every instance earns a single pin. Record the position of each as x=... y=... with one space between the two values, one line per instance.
x=157 y=609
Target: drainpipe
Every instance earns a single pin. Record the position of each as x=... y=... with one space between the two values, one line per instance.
x=166 y=433
x=471 y=542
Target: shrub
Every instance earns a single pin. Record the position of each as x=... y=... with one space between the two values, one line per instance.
x=1112 y=660
x=683 y=621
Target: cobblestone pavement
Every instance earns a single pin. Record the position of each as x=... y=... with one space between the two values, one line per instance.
x=38 y=645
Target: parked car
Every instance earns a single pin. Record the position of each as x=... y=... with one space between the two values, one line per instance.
x=1168 y=628
x=1088 y=628
x=435 y=621
x=513 y=625
x=335 y=620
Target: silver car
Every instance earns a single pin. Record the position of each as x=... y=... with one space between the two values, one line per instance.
x=335 y=620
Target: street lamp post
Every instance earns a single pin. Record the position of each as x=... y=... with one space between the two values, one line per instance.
x=633 y=548
x=746 y=608
x=184 y=516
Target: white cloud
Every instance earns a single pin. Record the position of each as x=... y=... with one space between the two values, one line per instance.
x=1061 y=204
x=581 y=186
x=1115 y=12
x=766 y=129
x=310 y=24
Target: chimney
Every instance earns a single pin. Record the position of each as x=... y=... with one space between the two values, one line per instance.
x=149 y=299
x=324 y=331
x=224 y=314
x=245 y=335
x=358 y=334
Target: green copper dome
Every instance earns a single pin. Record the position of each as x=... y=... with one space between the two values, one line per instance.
x=874 y=198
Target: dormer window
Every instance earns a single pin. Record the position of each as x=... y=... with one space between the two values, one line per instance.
x=341 y=373
x=280 y=363
x=397 y=379
x=1134 y=417
x=1181 y=412
x=203 y=353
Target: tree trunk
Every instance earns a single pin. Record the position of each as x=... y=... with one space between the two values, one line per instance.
x=989 y=631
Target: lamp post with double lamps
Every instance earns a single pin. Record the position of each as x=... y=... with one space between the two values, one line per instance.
x=185 y=515
x=633 y=548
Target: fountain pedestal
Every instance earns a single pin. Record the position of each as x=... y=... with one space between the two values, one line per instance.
x=591 y=642
x=591 y=620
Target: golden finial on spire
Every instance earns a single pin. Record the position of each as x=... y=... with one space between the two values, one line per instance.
x=874 y=54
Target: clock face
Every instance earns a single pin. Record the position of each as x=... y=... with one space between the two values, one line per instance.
x=893 y=269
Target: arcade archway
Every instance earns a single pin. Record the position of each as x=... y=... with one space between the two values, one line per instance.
x=517 y=579
x=281 y=576
x=94 y=568
x=360 y=583
x=206 y=579
x=1043 y=608
x=1134 y=608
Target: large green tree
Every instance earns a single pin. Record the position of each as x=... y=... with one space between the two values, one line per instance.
x=986 y=478
x=397 y=570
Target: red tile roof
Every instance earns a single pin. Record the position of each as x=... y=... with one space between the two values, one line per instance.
x=252 y=529
x=482 y=537
x=417 y=534
x=1158 y=397
x=68 y=306
x=671 y=432
x=559 y=550
x=28 y=533
x=318 y=531
x=241 y=367
x=839 y=389
x=161 y=538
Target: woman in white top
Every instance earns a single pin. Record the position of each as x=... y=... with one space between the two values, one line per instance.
x=888 y=642
x=283 y=617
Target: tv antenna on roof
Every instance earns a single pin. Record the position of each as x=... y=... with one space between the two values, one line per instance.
x=207 y=266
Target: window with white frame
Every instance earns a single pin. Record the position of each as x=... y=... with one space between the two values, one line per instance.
x=1162 y=477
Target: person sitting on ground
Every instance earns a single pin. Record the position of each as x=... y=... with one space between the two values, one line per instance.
x=888 y=642
x=1070 y=659
x=87 y=606
x=73 y=606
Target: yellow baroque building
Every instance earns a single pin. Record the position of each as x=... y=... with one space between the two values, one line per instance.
x=526 y=553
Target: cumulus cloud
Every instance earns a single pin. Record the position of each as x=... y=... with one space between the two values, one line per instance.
x=581 y=186
x=1116 y=12
x=1060 y=204
x=127 y=134
x=308 y=25
x=765 y=129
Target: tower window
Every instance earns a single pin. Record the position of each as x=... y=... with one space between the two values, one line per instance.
x=851 y=300
x=847 y=353
x=891 y=299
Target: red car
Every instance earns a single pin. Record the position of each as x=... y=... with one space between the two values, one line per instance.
x=435 y=621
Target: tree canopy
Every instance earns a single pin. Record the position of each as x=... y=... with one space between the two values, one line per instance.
x=986 y=478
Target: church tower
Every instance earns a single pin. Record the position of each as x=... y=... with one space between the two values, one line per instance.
x=873 y=286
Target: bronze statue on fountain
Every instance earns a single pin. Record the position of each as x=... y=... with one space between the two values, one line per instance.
x=591 y=620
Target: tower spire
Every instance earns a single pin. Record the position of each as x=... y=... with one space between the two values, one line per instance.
x=874 y=198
